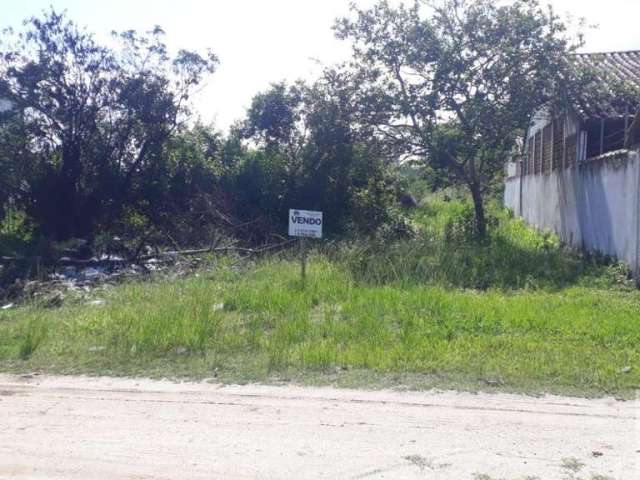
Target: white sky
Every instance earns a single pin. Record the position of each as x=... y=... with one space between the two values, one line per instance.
x=264 y=41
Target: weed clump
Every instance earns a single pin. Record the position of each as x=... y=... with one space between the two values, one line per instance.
x=515 y=311
x=445 y=252
x=33 y=335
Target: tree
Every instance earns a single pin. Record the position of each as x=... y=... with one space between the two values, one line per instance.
x=12 y=173
x=310 y=155
x=179 y=194
x=455 y=82
x=96 y=119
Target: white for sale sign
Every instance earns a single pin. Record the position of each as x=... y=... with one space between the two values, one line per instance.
x=305 y=223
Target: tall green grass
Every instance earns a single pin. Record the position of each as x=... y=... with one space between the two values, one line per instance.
x=445 y=252
x=535 y=318
x=260 y=323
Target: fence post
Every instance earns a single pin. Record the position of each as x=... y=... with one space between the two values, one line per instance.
x=636 y=272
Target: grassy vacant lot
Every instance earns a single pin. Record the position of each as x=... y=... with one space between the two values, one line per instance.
x=515 y=313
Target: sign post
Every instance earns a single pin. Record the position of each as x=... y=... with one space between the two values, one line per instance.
x=303 y=224
x=303 y=261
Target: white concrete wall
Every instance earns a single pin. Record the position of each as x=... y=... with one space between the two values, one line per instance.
x=593 y=206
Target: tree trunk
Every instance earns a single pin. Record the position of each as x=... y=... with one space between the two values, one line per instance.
x=478 y=205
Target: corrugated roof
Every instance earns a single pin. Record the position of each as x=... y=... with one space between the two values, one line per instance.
x=609 y=69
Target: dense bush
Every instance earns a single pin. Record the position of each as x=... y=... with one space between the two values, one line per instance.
x=310 y=156
x=90 y=123
x=99 y=144
x=357 y=200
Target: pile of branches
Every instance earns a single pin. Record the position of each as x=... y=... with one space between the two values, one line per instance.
x=51 y=278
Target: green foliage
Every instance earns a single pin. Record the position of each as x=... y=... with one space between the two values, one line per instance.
x=18 y=237
x=182 y=195
x=97 y=146
x=259 y=323
x=92 y=121
x=97 y=143
x=445 y=252
x=311 y=157
x=16 y=231
x=435 y=309
x=34 y=333
x=481 y=65
x=17 y=162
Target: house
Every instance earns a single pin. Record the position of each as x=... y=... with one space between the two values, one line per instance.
x=591 y=129
x=580 y=173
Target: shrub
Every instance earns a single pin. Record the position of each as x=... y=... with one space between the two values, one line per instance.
x=444 y=251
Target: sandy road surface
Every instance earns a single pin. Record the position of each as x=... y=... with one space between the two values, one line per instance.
x=105 y=428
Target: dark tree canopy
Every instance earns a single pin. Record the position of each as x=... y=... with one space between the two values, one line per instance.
x=454 y=82
x=99 y=139
x=312 y=155
x=93 y=120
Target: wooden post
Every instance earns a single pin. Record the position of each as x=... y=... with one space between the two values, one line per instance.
x=303 y=262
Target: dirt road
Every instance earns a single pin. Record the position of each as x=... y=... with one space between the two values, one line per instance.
x=105 y=428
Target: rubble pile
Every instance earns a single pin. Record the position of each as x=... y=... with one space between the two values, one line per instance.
x=78 y=280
